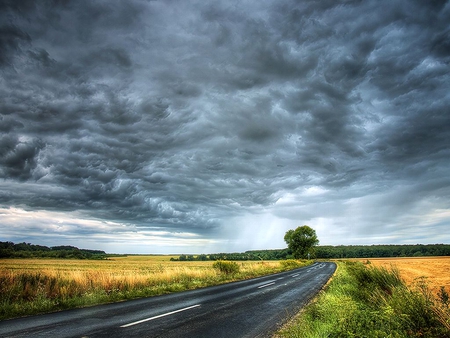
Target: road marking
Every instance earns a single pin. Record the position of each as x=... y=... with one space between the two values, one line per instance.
x=159 y=316
x=316 y=266
x=263 y=286
x=313 y=267
x=295 y=275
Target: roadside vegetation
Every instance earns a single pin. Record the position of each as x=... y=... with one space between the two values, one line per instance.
x=32 y=286
x=366 y=301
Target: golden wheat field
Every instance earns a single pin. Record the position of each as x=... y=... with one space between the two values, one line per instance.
x=142 y=266
x=436 y=270
x=106 y=274
x=29 y=286
x=119 y=273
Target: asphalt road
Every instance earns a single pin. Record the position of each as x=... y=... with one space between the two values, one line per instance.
x=251 y=308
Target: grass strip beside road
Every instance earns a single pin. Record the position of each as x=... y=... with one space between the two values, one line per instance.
x=33 y=286
x=367 y=301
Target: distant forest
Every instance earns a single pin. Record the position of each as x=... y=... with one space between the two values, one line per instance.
x=341 y=251
x=27 y=250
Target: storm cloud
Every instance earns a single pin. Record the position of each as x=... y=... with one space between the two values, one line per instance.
x=195 y=126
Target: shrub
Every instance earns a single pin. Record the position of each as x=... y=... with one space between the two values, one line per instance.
x=226 y=267
x=290 y=264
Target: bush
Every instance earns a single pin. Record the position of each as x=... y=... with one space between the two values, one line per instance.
x=290 y=264
x=226 y=267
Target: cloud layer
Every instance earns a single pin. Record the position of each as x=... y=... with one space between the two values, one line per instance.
x=225 y=121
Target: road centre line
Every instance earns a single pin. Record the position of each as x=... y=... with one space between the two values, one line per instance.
x=159 y=316
x=263 y=286
x=295 y=275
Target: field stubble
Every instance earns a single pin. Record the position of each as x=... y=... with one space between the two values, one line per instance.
x=434 y=271
x=30 y=286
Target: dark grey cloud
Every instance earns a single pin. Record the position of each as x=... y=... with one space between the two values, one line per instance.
x=195 y=117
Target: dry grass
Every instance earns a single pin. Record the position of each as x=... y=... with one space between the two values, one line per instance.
x=132 y=270
x=29 y=286
x=436 y=270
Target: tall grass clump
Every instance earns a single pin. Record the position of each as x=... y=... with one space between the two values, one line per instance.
x=362 y=301
x=289 y=264
x=226 y=267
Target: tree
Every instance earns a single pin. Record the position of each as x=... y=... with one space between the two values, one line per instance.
x=301 y=241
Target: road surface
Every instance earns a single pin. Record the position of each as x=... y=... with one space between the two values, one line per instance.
x=251 y=308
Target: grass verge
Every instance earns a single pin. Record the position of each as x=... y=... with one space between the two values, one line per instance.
x=364 y=301
x=37 y=286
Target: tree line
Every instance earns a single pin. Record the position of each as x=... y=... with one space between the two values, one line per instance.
x=373 y=251
x=252 y=255
x=327 y=252
x=27 y=250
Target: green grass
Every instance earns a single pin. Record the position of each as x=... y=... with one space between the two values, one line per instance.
x=362 y=301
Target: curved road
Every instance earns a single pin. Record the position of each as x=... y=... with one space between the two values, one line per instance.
x=251 y=308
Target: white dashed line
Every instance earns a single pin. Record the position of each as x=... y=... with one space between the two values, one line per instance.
x=263 y=286
x=159 y=316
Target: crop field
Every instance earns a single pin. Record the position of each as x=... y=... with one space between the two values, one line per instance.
x=435 y=271
x=30 y=286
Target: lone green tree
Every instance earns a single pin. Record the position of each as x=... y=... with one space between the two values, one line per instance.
x=301 y=241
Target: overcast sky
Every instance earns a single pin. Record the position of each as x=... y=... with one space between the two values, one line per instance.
x=216 y=126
